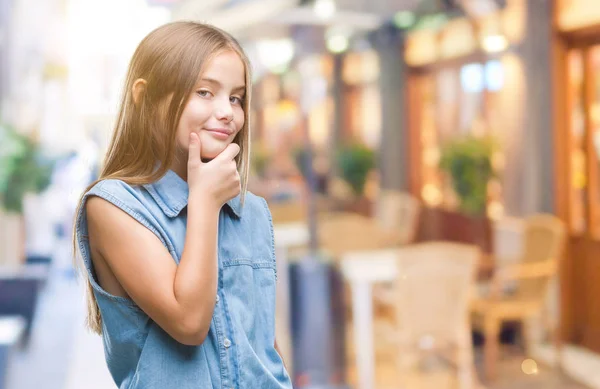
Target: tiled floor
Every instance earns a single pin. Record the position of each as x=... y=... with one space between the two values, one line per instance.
x=438 y=375
x=62 y=355
x=44 y=362
x=510 y=376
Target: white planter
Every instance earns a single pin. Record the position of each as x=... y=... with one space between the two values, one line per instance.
x=11 y=239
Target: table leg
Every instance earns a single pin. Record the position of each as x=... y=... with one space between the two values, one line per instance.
x=363 y=334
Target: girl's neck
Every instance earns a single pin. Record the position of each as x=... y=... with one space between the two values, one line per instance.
x=179 y=166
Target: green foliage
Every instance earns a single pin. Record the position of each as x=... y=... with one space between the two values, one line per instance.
x=355 y=161
x=23 y=169
x=260 y=160
x=468 y=162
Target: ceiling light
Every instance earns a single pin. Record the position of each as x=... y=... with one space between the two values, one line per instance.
x=337 y=44
x=495 y=43
x=324 y=9
x=275 y=55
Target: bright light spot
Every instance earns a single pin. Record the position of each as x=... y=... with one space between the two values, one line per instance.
x=529 y=367
x=337 y=44
x=472 y=78
x=324 y=9
x=431 y=157
x=431 y=195
x=494 y=75
x=495 y=43
x=498 y=161
x=404 y=19
x=495 y=210
x=275 y=55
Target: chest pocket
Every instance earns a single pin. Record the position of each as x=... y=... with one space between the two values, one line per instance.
x=248 y=274
x=249 y=289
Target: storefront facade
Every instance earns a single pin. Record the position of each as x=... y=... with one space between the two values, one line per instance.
x=577 y=118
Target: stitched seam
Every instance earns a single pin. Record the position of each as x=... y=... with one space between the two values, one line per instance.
x=272 y=236
x=135 y=214
x=84 y=251
x=248 y=262
x=235 y=368
x=140 y=218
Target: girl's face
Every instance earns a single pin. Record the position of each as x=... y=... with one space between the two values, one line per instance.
x=215 y=109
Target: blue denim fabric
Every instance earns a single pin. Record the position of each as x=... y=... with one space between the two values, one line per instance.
x=239 y=349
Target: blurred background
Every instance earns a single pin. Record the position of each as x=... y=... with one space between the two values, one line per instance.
x=437 y=159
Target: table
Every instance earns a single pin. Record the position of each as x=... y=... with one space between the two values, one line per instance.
x=287 y=235
x=362 y=270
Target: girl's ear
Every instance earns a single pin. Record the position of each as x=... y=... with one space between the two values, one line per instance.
x=138 y=89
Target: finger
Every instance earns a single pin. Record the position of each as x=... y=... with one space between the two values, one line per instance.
x=195 y=149
x=229 y=153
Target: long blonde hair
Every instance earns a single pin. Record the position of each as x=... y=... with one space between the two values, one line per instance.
x=170 y=59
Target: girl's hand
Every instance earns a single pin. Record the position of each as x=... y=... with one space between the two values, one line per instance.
x=218 y=180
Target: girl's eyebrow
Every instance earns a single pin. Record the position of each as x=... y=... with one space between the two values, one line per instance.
x=240 y=88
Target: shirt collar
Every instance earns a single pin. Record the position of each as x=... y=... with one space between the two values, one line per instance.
x=171 y=194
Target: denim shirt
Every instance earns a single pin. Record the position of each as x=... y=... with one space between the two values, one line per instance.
x=239 y=350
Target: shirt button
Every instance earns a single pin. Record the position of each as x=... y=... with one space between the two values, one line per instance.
x=227 y=343
x=218 y=298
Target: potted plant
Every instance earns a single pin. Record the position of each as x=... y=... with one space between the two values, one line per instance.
x=467 y=161
x=23 y=170
x=354 y=163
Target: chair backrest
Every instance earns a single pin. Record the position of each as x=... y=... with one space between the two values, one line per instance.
x=433 y=291
x=288 y=212
x=343 y=232
x=544 y=240
x=398 y=212
x=508 y=236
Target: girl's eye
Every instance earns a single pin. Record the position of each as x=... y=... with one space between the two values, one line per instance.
x=235 y=100
x=203 y=93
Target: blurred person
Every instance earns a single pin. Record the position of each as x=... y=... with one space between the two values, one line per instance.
x=178 y=256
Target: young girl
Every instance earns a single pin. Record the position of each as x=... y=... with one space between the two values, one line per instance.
x=179 y=258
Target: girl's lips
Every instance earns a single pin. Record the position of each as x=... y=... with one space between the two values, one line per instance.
x=220 y=134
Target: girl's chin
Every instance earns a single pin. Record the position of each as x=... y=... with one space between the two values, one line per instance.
x=211 y=151
x=209 y=155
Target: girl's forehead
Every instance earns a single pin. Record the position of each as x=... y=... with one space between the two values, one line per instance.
x=225 y=67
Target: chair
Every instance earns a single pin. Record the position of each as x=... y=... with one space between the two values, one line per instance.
x=342 y=232
x=433 y=290
x=543 y=243
x=287 y=212
x=398 y=212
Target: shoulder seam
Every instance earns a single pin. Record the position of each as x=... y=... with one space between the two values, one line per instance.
x=268 y=211
x=133 y=213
